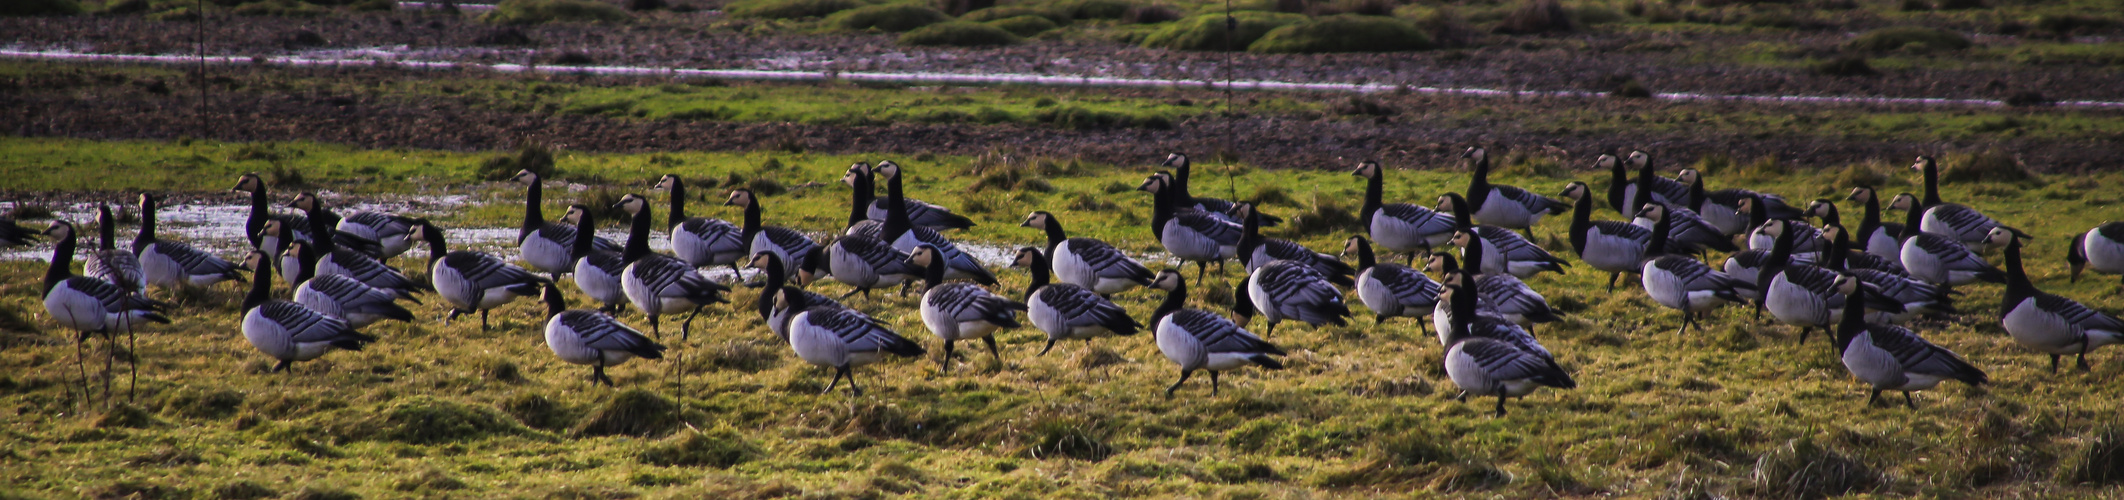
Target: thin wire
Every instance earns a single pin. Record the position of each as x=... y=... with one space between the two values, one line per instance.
x=1231 y=33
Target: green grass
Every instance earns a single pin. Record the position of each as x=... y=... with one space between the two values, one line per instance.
x=1738 y=410
x=814 y=104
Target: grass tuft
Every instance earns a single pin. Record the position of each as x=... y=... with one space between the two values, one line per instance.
x=193 y=402
x=1326 y=215
x=1343 y=33
x=1909 y=39
x=1987 y=167
x=720 y=448
x=128 y=416
x=1802 y=469
x=244 y=490
x=530 y=155
x=430 y=481
x=637 y=413
x=1026 y=25
x=892 y=18
x=2099 y=460
x=789 y=9
x=427 y=420
x=1207 y=32
x=522 y=12
x=1535 y=17
x=744 y=355
x=1067 y=438
x=958 y=34
x=538 y=412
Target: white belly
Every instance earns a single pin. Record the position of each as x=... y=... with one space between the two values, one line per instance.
x=2041 y=331
x=545 y=255
x=76 y=310
x=598 y=285
x=1377 y=297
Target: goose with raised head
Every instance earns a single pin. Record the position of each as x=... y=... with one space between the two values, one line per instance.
x=700 y=241
x=586 y=337
x=839 y=338
x=1390 y=290
x=90 y=305
x=1399 y=227
x=900 y=230
x=791 y=245
x=1488 y=322
x=1506 y=252
x=1807 y=242
x=597 y=272
x=1286 y=289
x=288 y=331
x=340 y=296
x=1893 y=358
x=546 y=245
x=1916 y=296
x=1194 y=339
x=1068 y=311
x=1679 y=282
x=471 y=280
x=14 y=235
x=1256 y=251
x=1648 y=188
x=865 y=262
x=1501 y=205
x=659 y=284
x=1848 y=257
x=2046 y=323
x=1959 y=222
x=107 y=262
x=862 y=196
x=170 y=264
x=1481 y=363
x=874 y=209
x=1613 y=246
x=390 y=231
x=1936 y=259
x=1188 y=234
x=254 y=224
x=773 y=284
x=1806 y=295
x=956 y=311
x=334 y=259
x=1875 y=236
x=1183 y=187
x=317 y=213
x=2100 y=249
x=1723 y=209
x=1502 y=295
x=1086 y=262
x=1689 y=233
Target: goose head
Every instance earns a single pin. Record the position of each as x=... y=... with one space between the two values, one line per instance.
x=923 y=256
x=1350 y=246
x=668 y=181
x=1923 y=163
x=421 y=230
x=59 y=230
x=1654 y=212
x=1167 y=280
x=1155 y=183
x=1832 y=232
x=740 y=198
x=1638 y=159
x=1446 y=202
x=1861 y=194
x=1175 y=160
x=575 y=214
x=1746 y=205
x=306 y=201
x=887 y=170
x=1606 y=162
x=1027 y=257
x=1462 y=238
x=763 y=260
x=855 y=174
x=1688 y=176
x=294 y=249
x=1438 y=263
x=249 y=183
x=1037 y=220
x=1574 y=191
x=1820 y=208
x=1475 y=154
x=632 y=203
x=1774 y=228
x=1847 y=285
x=1903 y=201
x=256 y=261
x=144 y=201
x=1367 y=169
x=526 y=176
x=1999 y=237
x=272 y=228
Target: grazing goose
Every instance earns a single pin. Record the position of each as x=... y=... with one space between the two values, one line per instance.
x=1256 y=251
x=545 y=244
x=700 y=241
x=1916 y=296
x=1501 y=295
x=1649 y=187
x=789 y=244
x=958 y=311
x=335 y=259
x=1399 y=227
x=316 y=212
x=1804 y=295
x=776 y=314
x=1612 y=246
x=1691 y=234
x=89 y=305
x=170 y=264
x=2047 y=323
x=905 y=236
x=390 y=231
x=1502 y=205
x=1286 y=289
x=340 y=296
x=1185 y=194
x=1487 y=322
x=1936 y=259
x=254 y=224
x=865 y=262
x=1483 y=365
x=840 y=338
x=1679 y=282
x=1188 y=234
x=861 y=197
x=1506 y=252
x=1723 y=209
x=2101 y=248
x=876 y=210
x=1893 y=358
x=287 y=331
x=1196 y=339
x=586 y=337
x=659 y=284
x=597 y=272
x=1086 y=262
x=1959 y=222
x=107 y=262
x=14 y=235
x=470 y=280
x=1807 y=243
x=1067 y=310
x=1391 y=290
x=1826 y=211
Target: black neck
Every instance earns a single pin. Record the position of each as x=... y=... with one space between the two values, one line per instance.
x=933 y=274
x=555 y=303
x=1374 y=192
x=1854 y=321
x=1250 y=233
x=1696 y=193
x=1174 y=300
x=1780 y=257
x=678 y=205
x=1581 y=220
x=1040 y=277
x=1161 y=210
x=437 y=247
x=1912 y=220
x=255 y=223
x=2017 y=285
x=896 y=221
x=586 y=235
x=1829 y=215
x=773 y=284
x=1644 y=189
x=1869 y=221
x=1461 y=219
x=1658 y=246
x=1932 y=183
x=62 y=262
x=1479 y=181
x=534 y=194
x=261 y=284
x=147 y=225
x=1839 y=248
x=1365 y=259
x=105 y=228
x=320 y=229
x=1618 y=182
x=306 y=258
x=861 y=195
x=1758 y=211
x=752 y=217
x=1472 y=255
x=1180 y=191
x=1463 y=309
x=638 y=233
x=1055 y=235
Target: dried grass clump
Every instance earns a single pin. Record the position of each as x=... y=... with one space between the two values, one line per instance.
x=1987 y=167
x=1535 y=17
x=1802 y=469
x=637 y=413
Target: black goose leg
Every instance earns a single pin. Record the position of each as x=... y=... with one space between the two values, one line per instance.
x=851 y=293
x=1176 y=385
x=654 y=328
x=1201 y=267
x=1908 y=400
x=686 y=328
x=1875 y=397
x=1213 y=383
x=453 y=315
x=1803 y=333
x=597 y=376
x=837 y=371
x=992 y=351
x=482 y=320
x=2053 y=364
x=1463 y=397
x=1270 y=333
x=282 y=366
x=1611 y=281
x=1050 y=347
x=1500 y=403
x=945 y=364
x=858 y=391
x=2083 y=361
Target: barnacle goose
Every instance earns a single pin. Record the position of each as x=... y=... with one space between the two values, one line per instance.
x=586 y=337
x=1722 y=208
x=1505 y=206
x=1936 y=259
x=1086 y=262
x=333 y=259
x=700 y=241
x=1893 y=358
x=314 y=211
x=1185 y=194
x=1807 y=243
x=1188 y=234
x=14 y=235
x=840 y=338
x=1196 y=339
x=1391 y=290
x=288 y=331
x=1256 y=251
x=905 y=236
x=389 y=231
x=2101 y=249
x=1487 y=357
x=1916 y=296
x=1880 y=238
x=1400 y=227
x=865 y=262
x=861 y=197
x=957 y=310
x=1827 y=212
x=874 y=209
x=1066 y=310
x=1506 y=252
x=2046 y=323
x=1286 y=289
x=774 y=283
x=789 y=244
x=1804 y=295
x=1689 y=232
x=1502 y=295
x=1613 y=246
x=254 y=224
x=1627 y=197
x=1959 y=222
x=340 y=296
x=170 y=263
x=597 y=272
x=89 y=305
x=107 y=262
x=470 y=280
x=659 y=284
x=545 y=244
x=1679 y=282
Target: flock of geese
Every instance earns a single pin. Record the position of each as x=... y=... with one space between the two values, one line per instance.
x=1859 y=284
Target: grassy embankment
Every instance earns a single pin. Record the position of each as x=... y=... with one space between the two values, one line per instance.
x=1363 y=410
